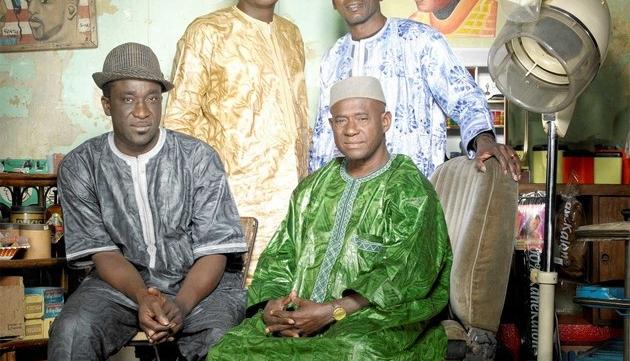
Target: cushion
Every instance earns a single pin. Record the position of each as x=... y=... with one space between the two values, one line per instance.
x=480 y=211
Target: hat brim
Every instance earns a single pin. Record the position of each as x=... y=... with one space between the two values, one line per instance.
x=102 y=78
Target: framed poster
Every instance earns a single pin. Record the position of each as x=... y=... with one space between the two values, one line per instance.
x=47 y=24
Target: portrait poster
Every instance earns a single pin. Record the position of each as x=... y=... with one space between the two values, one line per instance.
x=531 y=226
x=453 y=18
x=47 y=24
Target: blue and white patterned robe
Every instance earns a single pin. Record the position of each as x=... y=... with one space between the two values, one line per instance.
x=423 y=82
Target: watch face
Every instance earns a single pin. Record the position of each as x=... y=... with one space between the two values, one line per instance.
x=339 y=313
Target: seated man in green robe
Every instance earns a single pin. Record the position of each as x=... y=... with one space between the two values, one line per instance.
x=360 y=266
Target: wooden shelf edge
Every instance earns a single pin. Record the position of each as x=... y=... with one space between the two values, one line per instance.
x=583 y=189
x=456 y=127
x=27 y=180
x=18 y=343
x=31 y=263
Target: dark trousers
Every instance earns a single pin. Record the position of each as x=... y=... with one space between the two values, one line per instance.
x=93 y=325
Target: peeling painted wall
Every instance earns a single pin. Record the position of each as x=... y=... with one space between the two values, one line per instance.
x=49 y=103
x=35 y=113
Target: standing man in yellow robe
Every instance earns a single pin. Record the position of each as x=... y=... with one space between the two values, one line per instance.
x=239 y=85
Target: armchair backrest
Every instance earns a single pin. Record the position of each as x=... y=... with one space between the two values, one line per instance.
x=480 y=211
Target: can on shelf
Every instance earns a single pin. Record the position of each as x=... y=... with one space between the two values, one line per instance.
x=39 y=239
x=27 y=215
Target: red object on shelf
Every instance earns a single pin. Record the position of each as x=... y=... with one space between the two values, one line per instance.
x=625 y=176
x=578 y=167
x=509 y=336
x=498 y=117
x=570 y=334
x=586 y=334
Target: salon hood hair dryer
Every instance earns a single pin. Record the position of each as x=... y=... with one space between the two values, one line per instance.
x=545 y=56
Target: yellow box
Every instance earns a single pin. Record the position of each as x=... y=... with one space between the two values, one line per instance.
x=33 y=329
x=33 y=307
x=47 y=323
x=538 y=166
x=43 y=302
x=607 y=169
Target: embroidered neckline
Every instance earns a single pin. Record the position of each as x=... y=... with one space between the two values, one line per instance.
x=142 y=157
x=348 y=178
x=374 y=36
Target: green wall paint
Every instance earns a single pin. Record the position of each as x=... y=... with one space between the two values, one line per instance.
x=601 y=114
x=13 y=102
x=14 y=99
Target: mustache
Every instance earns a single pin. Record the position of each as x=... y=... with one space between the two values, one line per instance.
x=35 y=19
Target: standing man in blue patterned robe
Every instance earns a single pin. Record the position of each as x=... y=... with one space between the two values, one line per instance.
x=423 y=83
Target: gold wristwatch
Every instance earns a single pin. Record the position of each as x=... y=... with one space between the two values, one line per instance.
x=338 y=312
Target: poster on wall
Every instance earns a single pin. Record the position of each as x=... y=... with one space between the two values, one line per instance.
x=469 y=26
x=453 y=18
x=47 y=24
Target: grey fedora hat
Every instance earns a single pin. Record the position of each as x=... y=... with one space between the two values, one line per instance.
x=131 y=61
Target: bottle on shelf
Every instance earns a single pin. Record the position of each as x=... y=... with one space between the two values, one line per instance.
x=54 y=219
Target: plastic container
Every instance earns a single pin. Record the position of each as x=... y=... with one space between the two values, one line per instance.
x=538 y=167
x=578 y=167
x=599 y=292
x=608 y=167
x=10 y=243
x=10 y=230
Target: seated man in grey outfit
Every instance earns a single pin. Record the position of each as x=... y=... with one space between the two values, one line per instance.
x=151 y=210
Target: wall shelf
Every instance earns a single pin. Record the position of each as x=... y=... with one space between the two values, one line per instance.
x=18 y=344
x=41 y=272
x=614 y=190
x=17 y=181
x=32 y=263
x=27 y=180
x=602 y=203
